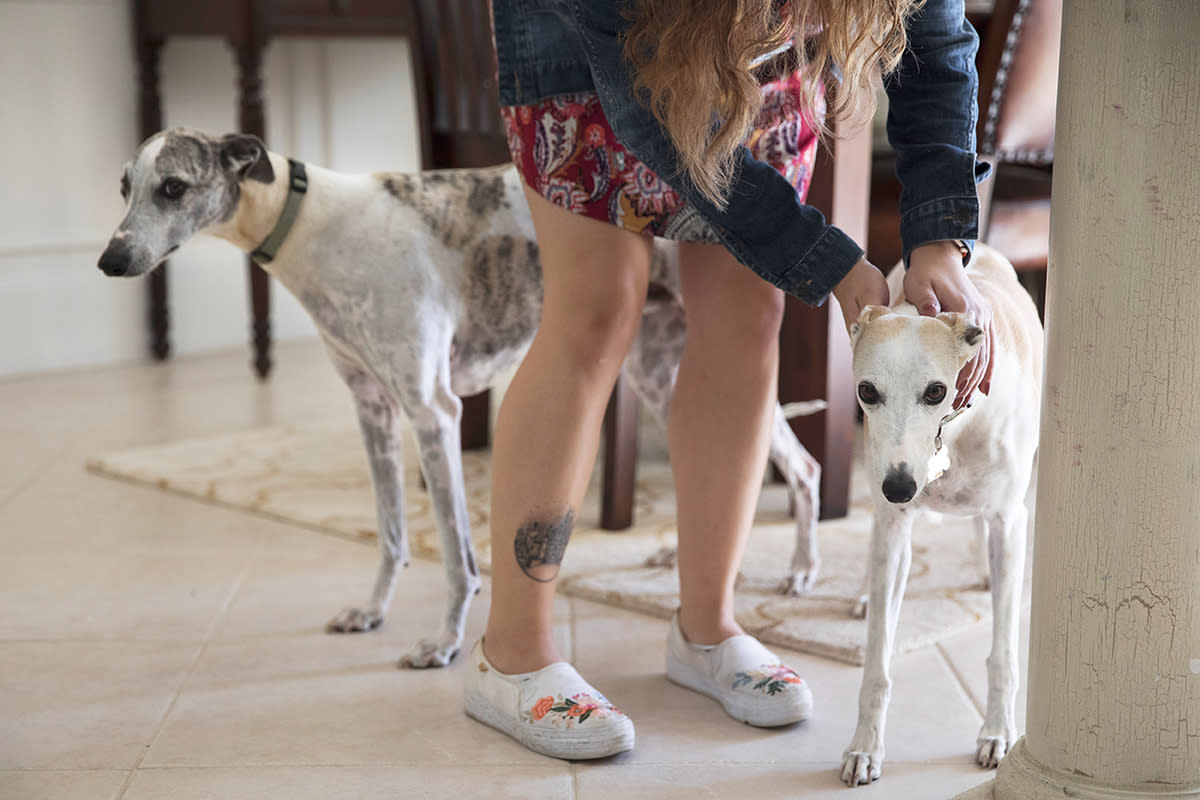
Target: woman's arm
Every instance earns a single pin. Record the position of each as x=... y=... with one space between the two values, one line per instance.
x=933 y=107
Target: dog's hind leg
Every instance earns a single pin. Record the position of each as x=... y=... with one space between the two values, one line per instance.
x=859 y=609
x=652 y=366
x=802 y=473
x=1006 y=549
x=891 y=556
x=378 y=417
x=437 y=427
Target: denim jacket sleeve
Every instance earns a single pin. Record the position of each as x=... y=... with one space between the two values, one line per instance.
x=788 y=243
x=764 y=225
x=933 y=107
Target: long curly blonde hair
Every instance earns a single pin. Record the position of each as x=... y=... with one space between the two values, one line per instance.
x=693 y=65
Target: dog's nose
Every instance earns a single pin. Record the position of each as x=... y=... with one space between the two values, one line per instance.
x=115 y=259
x=899 y=485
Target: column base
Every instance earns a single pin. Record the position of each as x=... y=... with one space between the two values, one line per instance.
x=1020 y=777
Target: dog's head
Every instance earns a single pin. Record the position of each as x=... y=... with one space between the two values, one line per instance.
x=179 y=183
x=905 y=368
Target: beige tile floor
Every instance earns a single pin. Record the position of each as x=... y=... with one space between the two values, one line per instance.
x=155 y=647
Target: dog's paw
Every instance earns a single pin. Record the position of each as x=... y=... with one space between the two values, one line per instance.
x=859 y=609
x=429 y=653
x=354 y=620
x=799 y=583
x=664 y=558
x=859 y=769
x=991 y=749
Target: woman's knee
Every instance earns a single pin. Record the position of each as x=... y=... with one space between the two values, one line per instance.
x=597 y=323
x=594 y=279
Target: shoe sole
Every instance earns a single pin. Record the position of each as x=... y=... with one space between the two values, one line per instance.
x=765 y=713
x=569 y=745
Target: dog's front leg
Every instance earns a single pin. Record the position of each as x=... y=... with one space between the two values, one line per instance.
x=378 y=418
x=437 y=426
x=1006 y=551
x=891 y=555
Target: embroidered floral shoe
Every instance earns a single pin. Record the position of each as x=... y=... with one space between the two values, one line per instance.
x=750 y=681
x=552 y=711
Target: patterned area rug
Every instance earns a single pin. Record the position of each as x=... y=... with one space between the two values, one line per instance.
x=316 y=476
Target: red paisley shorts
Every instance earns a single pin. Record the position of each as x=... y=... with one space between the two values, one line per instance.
x=567 y=153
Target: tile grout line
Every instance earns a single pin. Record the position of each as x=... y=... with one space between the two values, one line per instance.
x=33 y=477
x=221 y=614
x=958 y=676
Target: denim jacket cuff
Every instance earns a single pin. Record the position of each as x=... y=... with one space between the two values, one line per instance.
x=822 y=267
x=949 y=218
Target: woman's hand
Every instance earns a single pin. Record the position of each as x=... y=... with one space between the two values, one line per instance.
x=936 y=282
x=864 y=285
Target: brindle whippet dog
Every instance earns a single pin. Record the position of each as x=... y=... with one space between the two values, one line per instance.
x=424 y=287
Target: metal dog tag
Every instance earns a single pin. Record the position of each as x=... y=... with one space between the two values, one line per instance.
x=938 y=463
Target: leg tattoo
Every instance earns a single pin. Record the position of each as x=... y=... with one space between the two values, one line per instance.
x=540 y=545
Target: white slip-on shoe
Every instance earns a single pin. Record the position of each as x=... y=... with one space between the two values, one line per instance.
x=747 y=679
x=552 y=711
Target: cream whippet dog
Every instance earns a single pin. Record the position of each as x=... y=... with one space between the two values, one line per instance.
x=920 y=456
x=424 y=287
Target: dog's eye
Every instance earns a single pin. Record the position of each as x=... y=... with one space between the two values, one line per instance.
x=125 y=186
x=173 y=188
x=935 y=393
x=868 y=394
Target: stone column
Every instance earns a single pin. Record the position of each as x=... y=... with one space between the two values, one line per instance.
x=1114 y=671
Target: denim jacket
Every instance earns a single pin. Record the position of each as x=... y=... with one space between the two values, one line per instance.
x=552 y=47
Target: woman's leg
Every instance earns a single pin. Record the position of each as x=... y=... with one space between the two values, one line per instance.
x=719 y=429
x=595 y=278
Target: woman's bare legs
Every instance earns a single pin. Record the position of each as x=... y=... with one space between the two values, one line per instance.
x=548 y=430
x=719 y=429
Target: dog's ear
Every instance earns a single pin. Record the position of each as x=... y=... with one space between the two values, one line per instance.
x=245 y=154
x=869 y=314
x=967 y=335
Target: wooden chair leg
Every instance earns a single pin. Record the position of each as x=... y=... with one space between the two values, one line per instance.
x=476 y=421
x=620 y=458
x=814 y=359
x=814 y=362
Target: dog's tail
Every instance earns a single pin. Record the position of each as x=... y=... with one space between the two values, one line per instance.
x=804 y=408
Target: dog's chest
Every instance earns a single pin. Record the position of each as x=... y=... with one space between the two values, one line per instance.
x=956 y=491
x=964 y=484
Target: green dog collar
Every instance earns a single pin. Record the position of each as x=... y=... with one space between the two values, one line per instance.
x=297 y=187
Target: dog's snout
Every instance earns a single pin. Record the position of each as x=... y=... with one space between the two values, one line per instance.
x=899 y=485
x=115 y=259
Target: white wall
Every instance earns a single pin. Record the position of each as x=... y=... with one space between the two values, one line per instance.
x=68 y=122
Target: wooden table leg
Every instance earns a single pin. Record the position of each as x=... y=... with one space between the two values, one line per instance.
x=253 y=120
x=158 y=318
